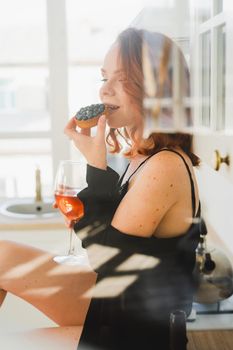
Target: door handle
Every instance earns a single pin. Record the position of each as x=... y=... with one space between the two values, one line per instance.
x=219 y=160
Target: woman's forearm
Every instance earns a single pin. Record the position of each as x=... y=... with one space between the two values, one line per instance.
x=100 y=198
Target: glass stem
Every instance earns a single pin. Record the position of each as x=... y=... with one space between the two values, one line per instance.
x=71 y=247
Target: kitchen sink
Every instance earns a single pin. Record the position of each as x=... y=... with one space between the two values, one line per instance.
x=28 y=208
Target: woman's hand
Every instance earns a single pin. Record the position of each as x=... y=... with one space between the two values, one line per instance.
x=93 y=148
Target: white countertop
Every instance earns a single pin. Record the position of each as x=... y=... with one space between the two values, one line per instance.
x=22 y=224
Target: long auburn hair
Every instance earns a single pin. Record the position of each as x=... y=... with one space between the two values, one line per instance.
x=132 y=43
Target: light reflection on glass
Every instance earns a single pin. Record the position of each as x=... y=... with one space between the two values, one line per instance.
x=99 y=255
x=138 y=262
x=26 y=267
x=111 y=287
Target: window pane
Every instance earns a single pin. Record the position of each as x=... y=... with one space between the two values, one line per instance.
x=84 y=84
x=92 y=27
x=204 y=10
x=23 y=99
x=222 y=5
x=221 y=76
x=205 y=78
x=23 y=31
x=218 y=6
x=19 y=159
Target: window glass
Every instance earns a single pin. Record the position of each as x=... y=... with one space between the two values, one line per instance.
x=23 y=31
x=23 y=99
x=205 y=78
x=204 y=10
x=84 y=84
x=92 y=28
x=19 y=159
x=218 y=6
x=222 y=5
x=23 y=66
x=221 y=76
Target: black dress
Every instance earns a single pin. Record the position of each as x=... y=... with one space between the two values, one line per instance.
x=136 y=316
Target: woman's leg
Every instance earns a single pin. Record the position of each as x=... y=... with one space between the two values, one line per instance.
x=61 y=292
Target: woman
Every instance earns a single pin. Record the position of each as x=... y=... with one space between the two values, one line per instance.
x=148 y=211
x=141 y=236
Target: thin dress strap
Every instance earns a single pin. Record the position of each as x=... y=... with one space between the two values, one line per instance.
x=187 y=167
x=145 y=160
x=190 y=177
x=122 y=176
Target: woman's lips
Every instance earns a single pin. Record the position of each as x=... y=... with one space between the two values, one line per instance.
x=111 y=111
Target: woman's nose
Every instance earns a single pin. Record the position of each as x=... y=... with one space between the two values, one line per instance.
x=107 y=89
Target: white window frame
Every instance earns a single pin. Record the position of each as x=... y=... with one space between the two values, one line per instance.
x=215 y=21
x=58 y=84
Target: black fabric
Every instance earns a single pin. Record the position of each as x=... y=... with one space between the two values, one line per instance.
x=100 y=198
x=139 y=315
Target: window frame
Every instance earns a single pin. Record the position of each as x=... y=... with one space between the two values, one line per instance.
x=212 y=25
x=57 y=66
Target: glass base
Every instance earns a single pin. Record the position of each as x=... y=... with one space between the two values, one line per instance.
x=71 y=260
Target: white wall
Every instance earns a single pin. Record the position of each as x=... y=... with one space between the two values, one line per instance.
x=216 y=194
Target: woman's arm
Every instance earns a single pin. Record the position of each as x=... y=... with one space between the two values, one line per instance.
x=159 y=186
x=100 y=198
x=156 y=189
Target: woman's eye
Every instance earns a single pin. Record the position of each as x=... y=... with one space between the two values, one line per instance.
x=104 y=80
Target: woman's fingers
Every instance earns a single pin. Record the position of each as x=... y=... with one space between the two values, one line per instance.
x=71 y=132
x=70 y=129
x=86 y=131
x=101 y=126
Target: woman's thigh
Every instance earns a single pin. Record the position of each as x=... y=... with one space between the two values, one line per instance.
x=61 y=292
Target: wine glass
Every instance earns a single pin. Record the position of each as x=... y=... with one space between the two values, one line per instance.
x=69 y=181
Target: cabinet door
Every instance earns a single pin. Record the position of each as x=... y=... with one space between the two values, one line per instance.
x=212 y=72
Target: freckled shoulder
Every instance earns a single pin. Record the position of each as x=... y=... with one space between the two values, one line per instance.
x=163 y=165
x=153 y=191
x=159 y=188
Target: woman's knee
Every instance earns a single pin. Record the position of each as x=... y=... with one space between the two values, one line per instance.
x=6 y=248
x=13 y=255
x=18 y=252
x=8 y=251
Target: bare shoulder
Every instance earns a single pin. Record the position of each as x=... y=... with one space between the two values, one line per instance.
x=159 y=190
x=151 y=194
x=163 y=166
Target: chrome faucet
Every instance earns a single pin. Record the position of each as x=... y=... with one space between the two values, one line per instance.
x=38 y=197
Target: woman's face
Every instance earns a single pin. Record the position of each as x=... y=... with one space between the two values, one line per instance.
x=124 y=112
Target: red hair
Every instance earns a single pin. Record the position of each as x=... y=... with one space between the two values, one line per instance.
x=131 y=43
